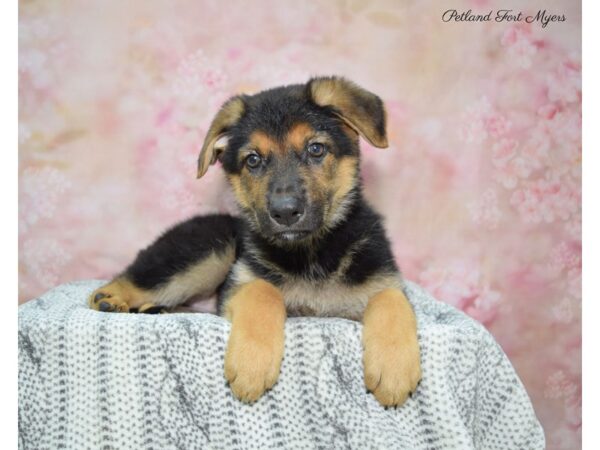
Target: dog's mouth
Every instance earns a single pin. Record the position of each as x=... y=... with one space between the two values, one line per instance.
x=292 y=235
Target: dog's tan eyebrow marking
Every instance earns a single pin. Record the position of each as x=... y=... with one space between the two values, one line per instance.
x=262 y=143
x=299 y=135
x=320 y=136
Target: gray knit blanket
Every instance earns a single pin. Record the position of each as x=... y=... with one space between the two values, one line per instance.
x=92 y=380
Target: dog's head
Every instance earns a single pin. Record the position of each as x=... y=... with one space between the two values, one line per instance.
x=291 y=153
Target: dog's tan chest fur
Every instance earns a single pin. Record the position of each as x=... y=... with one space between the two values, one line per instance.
x=331 y=297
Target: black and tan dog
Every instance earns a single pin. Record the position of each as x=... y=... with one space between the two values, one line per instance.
x=306 y=242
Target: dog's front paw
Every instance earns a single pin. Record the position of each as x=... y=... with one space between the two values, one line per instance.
x=392 y=369
x=252 y=365
x=392 y=363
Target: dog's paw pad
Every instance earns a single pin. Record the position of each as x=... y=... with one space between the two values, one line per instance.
x=108 y=299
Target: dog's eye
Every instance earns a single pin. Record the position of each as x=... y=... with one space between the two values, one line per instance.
x=253 y=161
x=316 y=150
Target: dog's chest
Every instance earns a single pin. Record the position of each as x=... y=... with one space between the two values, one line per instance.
x=323 y=298
x=331 y=297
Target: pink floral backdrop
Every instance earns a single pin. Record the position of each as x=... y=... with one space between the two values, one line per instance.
x=480 y=186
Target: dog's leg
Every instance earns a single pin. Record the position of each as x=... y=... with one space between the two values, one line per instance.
x=255 y=348
x=192 y=258
x=391 y=350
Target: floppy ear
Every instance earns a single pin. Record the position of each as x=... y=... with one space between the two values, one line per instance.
x=216 y=138
x=359 y=108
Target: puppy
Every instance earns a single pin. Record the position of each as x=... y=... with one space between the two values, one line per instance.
x=306 y=241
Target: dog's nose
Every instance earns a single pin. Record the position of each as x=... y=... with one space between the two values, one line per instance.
x=286 y=209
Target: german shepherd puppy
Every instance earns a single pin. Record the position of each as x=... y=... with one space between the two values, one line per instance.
x=306 y=242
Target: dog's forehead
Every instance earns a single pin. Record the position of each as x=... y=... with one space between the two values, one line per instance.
x=278 y=109
x=283 y=113
x=294 y=139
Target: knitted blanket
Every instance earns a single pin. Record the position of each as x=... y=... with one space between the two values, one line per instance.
x=130 y=381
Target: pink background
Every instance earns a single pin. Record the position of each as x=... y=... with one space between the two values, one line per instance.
x=480 y=186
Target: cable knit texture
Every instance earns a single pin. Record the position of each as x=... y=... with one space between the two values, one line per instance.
x=130 y=381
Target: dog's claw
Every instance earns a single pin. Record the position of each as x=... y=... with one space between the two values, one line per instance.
x=104 y=306
x=99 y=296
x=110 y=301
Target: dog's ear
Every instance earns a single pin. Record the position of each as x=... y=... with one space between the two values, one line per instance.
x=362 y=110
x=216 y=138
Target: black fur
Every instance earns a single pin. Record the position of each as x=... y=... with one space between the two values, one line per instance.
x=180 y=247
x=327 y=251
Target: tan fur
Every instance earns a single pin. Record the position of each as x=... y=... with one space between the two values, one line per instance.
x=201 y=279
x=345 y=177
x=121 y=294
x=342 y=95
x=145 y=307
x=330 y=183
x=263 y=143
x=229 y=114
x=391 y=350
x=255 y=347
x=258 y=189
x=343 y=181
x=250 y=191
x=240 y=193
x=242 y=274
x=254 y=191
x=299 y=135
x=332 y=297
